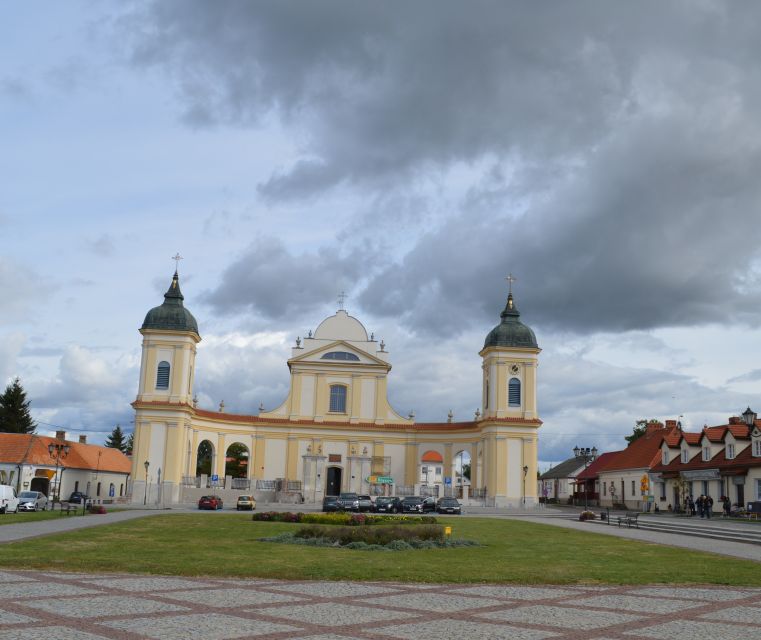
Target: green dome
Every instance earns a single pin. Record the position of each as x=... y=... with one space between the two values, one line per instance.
x=511 y=332
x=172 y=315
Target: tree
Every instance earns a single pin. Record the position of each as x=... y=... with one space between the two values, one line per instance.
x=466 y=470
x=640 y=428
x=14 y=410
x=130 y=444
x=116 y=439
x=236 y=460
x=203 y=461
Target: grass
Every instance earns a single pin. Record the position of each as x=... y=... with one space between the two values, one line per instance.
x=513 y=552
x=32 y=516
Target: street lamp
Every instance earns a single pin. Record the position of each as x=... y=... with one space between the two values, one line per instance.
x=57 y=451
x=146 y=464
x=587 y=455
x=525 y=473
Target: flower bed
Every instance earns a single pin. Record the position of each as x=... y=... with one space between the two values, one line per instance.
x=345 y=519
x=372 y=535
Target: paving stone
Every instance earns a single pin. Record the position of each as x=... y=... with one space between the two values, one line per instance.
x=696 y=593
x=334 y=589
x=516 y=592
x=29 y=590
x=9 y=617
x=7 y=576
x=202 y=626
x=331 y=614
x=97 y=606
x=229 y=597
x=438 y=629
x=561 y=617
x=746 y=614
x=48 y=633
x=636 y=603
x=148 y=584
x=693 y=630
x=432 y=602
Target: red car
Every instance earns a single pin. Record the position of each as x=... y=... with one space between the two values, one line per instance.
x=210 y=502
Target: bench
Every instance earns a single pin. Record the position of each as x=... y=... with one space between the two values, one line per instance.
x=68 y=508
x=629 y=520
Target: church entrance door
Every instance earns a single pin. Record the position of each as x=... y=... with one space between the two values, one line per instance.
x=334 y=481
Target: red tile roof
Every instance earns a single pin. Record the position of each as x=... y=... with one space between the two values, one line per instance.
x=643 y=453
x=599 y=464
x=22 y=448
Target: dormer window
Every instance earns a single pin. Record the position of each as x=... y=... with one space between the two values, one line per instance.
x=514 y=393
x=757 y=448
x=685 y=456
x=162 y=375
x=730 y=451
x=340 y=355
x=337 y=398
x=706 y=454
x=665 y=457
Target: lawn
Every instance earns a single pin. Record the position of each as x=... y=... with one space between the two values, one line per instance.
x=512 y=552
x=32 y=516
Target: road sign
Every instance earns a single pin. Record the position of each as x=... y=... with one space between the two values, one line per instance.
x=448 y=480
x=215 y=478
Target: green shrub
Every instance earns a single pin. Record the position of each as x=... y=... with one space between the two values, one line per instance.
x=341 y=518
x=372 y=534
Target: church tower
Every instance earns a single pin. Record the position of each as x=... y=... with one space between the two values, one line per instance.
x=164 y=402
x=509 y=367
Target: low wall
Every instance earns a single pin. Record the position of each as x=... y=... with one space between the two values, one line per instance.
x=191 y=495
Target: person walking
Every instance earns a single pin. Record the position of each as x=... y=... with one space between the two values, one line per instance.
x=701 y=505
x=708 y=506
x=690 y=506
x=727 y=506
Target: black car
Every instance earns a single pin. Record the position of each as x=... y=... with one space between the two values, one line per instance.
x=418 y=504
x=348 y=502
x=449 y=505
x=77 y=497
x=330 y=503
x=388 y=504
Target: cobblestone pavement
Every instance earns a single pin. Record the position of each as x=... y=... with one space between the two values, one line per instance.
x=63 y=606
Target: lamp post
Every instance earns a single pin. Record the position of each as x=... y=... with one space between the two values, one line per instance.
x=587 y=455
x=58 y=450
x=525 y=473
x=146 y=464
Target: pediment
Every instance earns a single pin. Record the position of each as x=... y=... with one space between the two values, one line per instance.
x=755 y=433
x=318 y=356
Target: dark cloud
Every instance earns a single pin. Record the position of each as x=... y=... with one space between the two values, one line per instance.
x=271 y=282
x=750 y=376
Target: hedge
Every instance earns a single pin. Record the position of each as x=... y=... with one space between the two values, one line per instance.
x=346 y=519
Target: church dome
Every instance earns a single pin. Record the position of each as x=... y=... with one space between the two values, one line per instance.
x=171 y=315
x=511 y=332
x=341 y=326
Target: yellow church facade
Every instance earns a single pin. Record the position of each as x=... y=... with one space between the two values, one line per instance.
x=335 y=430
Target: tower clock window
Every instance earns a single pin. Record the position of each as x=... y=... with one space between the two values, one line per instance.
x=162 y=375
x=514 y=393
x=337 y=398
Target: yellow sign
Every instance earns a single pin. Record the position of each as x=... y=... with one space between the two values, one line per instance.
x=644 y=483
x=447 y=531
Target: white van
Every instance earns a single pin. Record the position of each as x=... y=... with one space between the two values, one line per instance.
x=8 y=499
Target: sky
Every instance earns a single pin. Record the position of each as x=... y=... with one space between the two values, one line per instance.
x=410 y=154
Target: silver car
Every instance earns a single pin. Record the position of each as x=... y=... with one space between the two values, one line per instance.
x=32 y=501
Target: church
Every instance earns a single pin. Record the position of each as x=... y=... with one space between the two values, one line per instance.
x=335 y=430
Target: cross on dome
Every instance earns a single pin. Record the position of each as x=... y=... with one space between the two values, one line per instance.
x=176 y=257
x=341 y=298
x=510 y=279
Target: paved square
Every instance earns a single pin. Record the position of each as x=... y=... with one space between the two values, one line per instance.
x=7 y=576
x=432 y=602
x=334 y=589
x=149 y=584
x=330 y=614
x=230 y=597
x=48 y=633
x=513 y=592
x=99 y=606
x=9 y=617
x=561 y=617
x=27 y=590
x=746 y=614
x=439 y=629
x=206 y=626
x=635 y=603
x=692 y=630
x=696 y=593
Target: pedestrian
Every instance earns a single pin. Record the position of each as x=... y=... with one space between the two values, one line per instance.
x=690 y=506
x=701 y=503
x=709 y=506
x=727 y=506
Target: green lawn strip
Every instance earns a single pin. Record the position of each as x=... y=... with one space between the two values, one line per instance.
x=227 y=545
x=32 y=516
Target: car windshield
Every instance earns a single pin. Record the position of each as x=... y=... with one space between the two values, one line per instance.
x=413 y=499
x=383 y=500
x=244 y=498
x=28 y=494
x=348 y=495
x=448 y=501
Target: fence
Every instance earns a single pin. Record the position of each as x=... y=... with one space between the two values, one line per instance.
x=405 y=490
x=426 y=491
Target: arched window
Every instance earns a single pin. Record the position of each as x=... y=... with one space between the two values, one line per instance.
x=98 y=490
x=340 y=355
x=162 y=375
x=486 y=402
x=514 y=393
x=337 y=398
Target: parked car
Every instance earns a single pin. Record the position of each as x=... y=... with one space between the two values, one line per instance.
x=365 y=503
x=210 y=502
x=449 y=505
x=418 y=504
x=245 y=503
x=348 y=502
x=77 y=497
x=330 y=503
x=32 y=501
x=8 y=499
x=388 y=504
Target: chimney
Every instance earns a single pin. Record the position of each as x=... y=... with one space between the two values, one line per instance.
x=670 y=424
x=736 y=420
x=82 y=439
x=60 y=435
x=655 y=425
